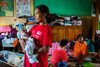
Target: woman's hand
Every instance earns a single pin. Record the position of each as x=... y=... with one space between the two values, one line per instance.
x=44 y=49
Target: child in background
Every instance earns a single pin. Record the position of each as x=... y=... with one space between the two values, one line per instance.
x=90 y=45
x=59 y=56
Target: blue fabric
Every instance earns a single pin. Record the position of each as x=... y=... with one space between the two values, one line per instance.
x=62 y=64
x=2 y=59
x=20 y=26
x=31 y=19
x=2 y=36
x=90 y=45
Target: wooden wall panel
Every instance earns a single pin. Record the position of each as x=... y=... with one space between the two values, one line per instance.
x=87 y=26
x=76 y=32
x=55 y=36
x=94 y=27
x=65 y=32
x=70 y=34
x=62 y=33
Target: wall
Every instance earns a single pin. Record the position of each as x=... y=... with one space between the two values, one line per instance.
x=10 y=20
x=67 y=7
x=72 y=8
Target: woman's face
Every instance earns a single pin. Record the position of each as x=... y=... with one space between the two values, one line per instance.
x=81 y=39
x=39 y=17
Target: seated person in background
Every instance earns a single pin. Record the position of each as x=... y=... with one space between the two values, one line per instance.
x=91 y=48
x=90 y=45
x=80 y=49
x=59 y=56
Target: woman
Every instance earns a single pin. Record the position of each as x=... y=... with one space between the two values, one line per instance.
x=42 y=36
x=80 y=49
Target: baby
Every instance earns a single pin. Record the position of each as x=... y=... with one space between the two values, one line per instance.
x=29 y=48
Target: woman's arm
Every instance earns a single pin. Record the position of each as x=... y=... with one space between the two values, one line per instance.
x=43 y=49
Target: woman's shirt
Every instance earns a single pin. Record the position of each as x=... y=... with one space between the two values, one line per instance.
x=42 y=35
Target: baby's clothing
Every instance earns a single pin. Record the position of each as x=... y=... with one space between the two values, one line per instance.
x=29 y=48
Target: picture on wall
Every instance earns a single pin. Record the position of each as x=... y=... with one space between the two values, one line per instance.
x=23 y=8
x=6 y=7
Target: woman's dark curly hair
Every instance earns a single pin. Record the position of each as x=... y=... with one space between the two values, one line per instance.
x=45 y=10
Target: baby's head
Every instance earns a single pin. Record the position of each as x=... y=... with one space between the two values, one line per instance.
x=30 y=39
x=24 y=36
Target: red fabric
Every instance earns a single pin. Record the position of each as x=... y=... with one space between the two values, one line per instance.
x=27 y=63
x=58 y=55
x=42 y=37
